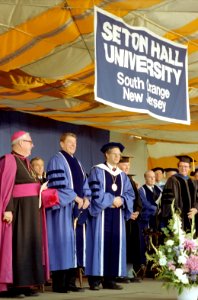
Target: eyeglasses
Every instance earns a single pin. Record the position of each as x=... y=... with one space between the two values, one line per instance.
x=28 y=141
x=116 y=154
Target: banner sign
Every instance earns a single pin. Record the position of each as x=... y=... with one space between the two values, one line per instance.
x=136 y=70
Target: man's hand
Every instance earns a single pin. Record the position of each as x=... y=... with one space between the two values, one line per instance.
x=192 y=213
x=117 y=202
x=134 y=215
x=86 y=203
x=44 y=186
x=80 y=202
x=8 y=217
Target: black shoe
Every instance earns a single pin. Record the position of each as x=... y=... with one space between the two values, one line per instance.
x=6 y=294
x=74 y=288
x=112 y=286
x=123 y=279
x=20 y=296
x=30 y=293
x=63 y=290
x=13 y=293
x=135 y=279
x=94 y=287
x=48 y=283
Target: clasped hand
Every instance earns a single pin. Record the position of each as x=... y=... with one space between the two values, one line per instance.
x=8 y=217
x=82 y=202
x=192 y=212
x=117 y=202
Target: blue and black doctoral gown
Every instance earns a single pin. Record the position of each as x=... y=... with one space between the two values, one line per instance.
x=106 y=234
x=60 y=218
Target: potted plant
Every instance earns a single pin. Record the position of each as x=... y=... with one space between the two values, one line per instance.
x=176 y=260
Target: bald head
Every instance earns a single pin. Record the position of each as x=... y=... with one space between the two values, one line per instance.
x=149 y=177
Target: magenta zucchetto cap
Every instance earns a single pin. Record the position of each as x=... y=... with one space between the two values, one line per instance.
x=17 y=135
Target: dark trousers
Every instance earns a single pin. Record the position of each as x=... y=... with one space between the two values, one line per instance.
x=62 y=280
x=94 y=280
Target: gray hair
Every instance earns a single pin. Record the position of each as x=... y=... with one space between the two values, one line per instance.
x=19 y=138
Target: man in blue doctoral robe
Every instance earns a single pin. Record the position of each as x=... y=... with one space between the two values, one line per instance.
x=66 y=222
x=111 y=204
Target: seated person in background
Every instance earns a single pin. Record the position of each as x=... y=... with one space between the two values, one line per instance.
x=37 y=164
x=150 y=195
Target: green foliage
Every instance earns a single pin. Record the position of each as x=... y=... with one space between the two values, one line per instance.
x=176 y=260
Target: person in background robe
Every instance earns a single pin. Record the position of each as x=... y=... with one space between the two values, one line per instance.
x=66 y=223
x=132 y=227
x=38 y=165
x=150 y=195
x=21 y=241
x=111 y=205
x=194 y=174
x=159 y=177
x=169 y=172
x=181 y=189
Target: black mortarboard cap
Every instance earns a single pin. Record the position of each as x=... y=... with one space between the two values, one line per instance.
x=112 y=145
x=185 y=158
x=158 y=168
x=124 y=159
x=170 y=170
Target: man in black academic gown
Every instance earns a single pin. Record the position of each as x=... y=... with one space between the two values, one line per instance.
x=183 y=190
x=132 y=226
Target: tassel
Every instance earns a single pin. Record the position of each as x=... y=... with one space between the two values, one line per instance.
x=193 y=165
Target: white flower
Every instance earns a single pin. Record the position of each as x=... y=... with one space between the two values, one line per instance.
x=162 y=261
x=177 y=228
x=182 y=259
x=184 y=279
x=169 y=243
x=178 y=272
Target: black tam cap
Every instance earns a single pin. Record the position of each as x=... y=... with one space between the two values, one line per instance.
x=171 y=170
x=158 y=169
x=112 y=145
x=185 y=158
x=125 y=159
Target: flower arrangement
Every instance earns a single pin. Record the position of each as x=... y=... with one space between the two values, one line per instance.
x=176 y=260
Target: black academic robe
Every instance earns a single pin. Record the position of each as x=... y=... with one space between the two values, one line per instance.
x=133 y=232
x=184 y=192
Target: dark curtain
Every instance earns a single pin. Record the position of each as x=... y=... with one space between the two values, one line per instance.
x=45 y=134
